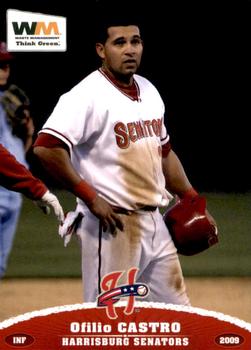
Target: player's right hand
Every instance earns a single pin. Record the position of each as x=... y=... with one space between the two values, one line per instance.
x=102 y=210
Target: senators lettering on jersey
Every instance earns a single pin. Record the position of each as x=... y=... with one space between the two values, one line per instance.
x=136 y=130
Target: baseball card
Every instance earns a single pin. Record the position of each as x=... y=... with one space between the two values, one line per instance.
x=124 y=184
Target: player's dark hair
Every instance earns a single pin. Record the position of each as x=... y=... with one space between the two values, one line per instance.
x=111 y=14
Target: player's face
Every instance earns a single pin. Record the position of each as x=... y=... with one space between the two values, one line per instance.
x=122 y=51
x=4 y=73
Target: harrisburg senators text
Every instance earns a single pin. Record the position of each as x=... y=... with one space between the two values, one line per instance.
x=125 y=334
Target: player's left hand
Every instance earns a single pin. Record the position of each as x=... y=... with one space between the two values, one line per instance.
x=49 y=200
x=103 y=210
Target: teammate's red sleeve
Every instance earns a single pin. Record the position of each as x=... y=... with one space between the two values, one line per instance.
x=166 y=148
x=50 y=141
x=16 y=177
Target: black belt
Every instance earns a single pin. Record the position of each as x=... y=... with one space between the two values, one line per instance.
x=148 y=208
x=120 y=210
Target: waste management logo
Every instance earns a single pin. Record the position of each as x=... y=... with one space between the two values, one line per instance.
x=28 y=31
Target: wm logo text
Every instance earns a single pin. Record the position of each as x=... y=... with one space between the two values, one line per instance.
x=35 y=28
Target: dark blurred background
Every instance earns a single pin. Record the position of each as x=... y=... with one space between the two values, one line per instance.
x=197 y=55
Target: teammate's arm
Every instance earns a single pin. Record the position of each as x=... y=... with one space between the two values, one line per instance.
x=16 y=177
x=58 y=164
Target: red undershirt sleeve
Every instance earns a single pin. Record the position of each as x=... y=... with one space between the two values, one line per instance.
x=50 y=141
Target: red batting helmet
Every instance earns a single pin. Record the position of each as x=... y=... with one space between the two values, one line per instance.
x=190 y=227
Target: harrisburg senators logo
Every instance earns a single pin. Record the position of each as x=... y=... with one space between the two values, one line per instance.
x=112 y=292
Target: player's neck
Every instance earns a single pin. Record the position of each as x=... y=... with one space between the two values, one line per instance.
x=120 y=80
x=131 y=91
x=3 y=87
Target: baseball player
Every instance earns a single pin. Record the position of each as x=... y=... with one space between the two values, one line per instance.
x=106 y=143
x=16 y=131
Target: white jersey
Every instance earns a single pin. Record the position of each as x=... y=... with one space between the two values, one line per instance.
x=115 y=141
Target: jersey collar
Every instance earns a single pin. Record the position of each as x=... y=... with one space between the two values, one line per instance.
x=132 y=91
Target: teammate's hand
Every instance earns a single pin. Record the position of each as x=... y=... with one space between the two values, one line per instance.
x=102 y=210
x=50 y=200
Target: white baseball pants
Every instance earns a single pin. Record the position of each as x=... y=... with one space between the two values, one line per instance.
x=145 y=244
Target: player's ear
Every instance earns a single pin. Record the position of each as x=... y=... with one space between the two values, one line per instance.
x=100 y=50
